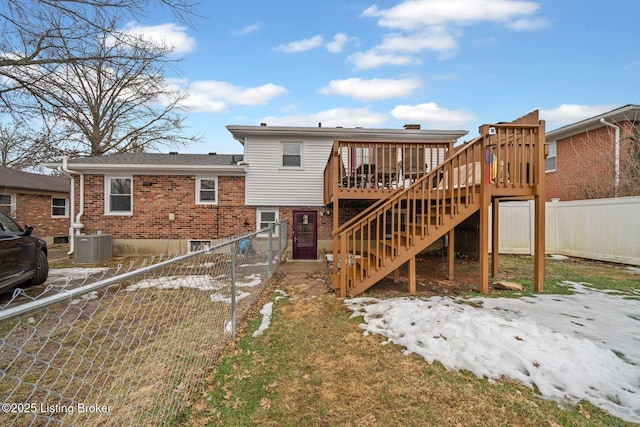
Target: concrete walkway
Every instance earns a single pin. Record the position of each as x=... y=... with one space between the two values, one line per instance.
x=308 y=277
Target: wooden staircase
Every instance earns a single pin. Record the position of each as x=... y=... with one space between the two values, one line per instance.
x=506 y=162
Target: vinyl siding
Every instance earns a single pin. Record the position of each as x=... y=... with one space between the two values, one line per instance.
x=269 y=184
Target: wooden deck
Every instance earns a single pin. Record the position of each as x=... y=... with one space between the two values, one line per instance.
x=421 y=191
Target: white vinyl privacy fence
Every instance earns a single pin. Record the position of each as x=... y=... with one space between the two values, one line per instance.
x=599 y=229
x=133 y=347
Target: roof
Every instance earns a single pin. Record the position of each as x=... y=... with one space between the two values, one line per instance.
x=630 y=112
x=12 y=178
x=155 y=163
x=240 y=133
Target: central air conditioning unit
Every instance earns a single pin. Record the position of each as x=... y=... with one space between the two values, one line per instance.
x=92 y=248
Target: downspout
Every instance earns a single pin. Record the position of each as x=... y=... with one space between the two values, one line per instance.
x=617 y=155
x=74 y=225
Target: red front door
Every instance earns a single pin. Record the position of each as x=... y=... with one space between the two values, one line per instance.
x=305 y=235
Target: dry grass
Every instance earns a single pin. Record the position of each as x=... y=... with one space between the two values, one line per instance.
x=314 y=367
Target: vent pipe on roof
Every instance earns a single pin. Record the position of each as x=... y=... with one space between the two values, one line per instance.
x=616 y=183
x=412 y=126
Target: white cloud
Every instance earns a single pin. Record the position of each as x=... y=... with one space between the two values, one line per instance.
x=432 y=114
x=339 y=40
x=374 y=59
x=437 y=39
x=170 y=35
x=373 y=89
x=528 y=24
x=246 y=30
x=216 y=96
x=335 y=117
x=414 y=14
x=434 y=25
x=569 y=113
x=302 y=45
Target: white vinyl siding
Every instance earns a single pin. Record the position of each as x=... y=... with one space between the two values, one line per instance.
x=269 y=183
x=550 y=161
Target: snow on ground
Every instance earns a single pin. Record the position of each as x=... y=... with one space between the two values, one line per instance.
x=266 y=312
x=570 y=347
x=203 y=282
x=60 y=276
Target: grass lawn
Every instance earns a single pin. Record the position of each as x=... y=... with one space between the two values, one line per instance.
x=313 y=366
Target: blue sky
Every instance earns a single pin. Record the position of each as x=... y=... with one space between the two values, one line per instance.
x=446 y=64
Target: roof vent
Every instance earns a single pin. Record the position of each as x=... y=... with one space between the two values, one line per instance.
x=173 y=152
x=213 y=154
x=263 y=124
x=412 y=126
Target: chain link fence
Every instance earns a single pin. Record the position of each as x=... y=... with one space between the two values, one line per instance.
x=129 y=347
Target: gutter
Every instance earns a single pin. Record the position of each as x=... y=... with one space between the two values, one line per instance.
x=616 y=184
x=75 y=226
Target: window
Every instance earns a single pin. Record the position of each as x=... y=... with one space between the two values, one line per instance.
x=207 y=191
x=6 y=204
x=199 y=245
x=59 y=207
x=550 y=161
x=292 y=154
x=266 y=217
x=119 y=195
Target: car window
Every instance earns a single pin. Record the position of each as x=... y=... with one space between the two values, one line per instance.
x=8 y=224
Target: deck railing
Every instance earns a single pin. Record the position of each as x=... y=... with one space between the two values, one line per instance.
x=505 y=160
x=362 y=170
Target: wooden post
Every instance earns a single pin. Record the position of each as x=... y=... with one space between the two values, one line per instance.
x=336 y=245
x=450 y=253
x=539 y=221
x=495 y=247
x=485 y=198
x=412 y=275
x=396 y=274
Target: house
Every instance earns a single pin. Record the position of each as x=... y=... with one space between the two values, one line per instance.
x=151 y=203
x=41 y=201
x=595 y=158
x=375 y=198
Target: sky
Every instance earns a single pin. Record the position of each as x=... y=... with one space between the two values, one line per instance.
x=445 y=64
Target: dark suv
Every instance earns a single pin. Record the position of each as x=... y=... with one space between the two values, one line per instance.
x=23 y=256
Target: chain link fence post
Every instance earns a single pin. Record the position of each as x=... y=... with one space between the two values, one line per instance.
x=270 y=250
x=233 y=291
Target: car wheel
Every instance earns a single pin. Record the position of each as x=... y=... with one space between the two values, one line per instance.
x=41 y=271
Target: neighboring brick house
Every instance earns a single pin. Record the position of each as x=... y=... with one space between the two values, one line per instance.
x=41 y=201
x=156 y=203
x=595 y=158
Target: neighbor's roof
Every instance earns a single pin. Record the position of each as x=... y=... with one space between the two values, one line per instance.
x=155 y=163
x=12 y=178
x=630 y=112
x=240 y=133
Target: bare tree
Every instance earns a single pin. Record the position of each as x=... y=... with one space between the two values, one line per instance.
x=83 y=85
x=117 y=102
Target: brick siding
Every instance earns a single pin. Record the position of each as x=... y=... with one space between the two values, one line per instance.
x=35 y=210
x=585 y=165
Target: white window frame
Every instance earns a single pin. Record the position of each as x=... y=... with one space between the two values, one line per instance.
x=552 y=148
x=66 y=207
x=107 y=195
x=199 y=180
x=259 y=221
x=282 y=149
x=202 y=243
x=11 y=205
